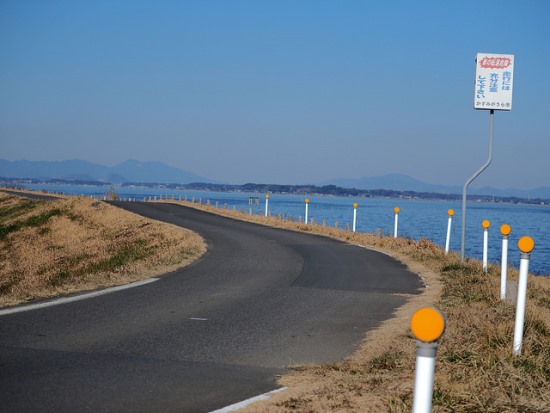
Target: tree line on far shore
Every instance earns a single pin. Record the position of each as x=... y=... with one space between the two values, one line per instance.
x=325 y=190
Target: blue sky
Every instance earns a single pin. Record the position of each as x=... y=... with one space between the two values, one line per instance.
x=276 y=91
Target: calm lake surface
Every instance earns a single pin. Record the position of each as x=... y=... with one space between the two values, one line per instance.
x=417 y=218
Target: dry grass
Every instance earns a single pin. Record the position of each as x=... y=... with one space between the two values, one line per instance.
x=476 y=370
x=48 y=248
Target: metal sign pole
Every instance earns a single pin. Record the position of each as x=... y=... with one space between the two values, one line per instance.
x=469 y=181
x=494 y=78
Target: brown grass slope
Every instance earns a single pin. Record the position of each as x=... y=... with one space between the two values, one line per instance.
x=48 y=248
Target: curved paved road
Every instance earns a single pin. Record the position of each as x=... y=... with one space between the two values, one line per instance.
x=206 y=336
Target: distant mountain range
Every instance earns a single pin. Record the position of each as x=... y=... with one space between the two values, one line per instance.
x=77 y=170
x=399 y=182
x=133 y=171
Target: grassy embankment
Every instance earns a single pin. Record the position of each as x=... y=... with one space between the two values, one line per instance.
x=49 y=248
x=55 y=247
x=476 y=370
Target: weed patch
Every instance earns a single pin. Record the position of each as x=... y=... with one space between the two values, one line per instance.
x=13 y=207
x=126 y=255
x=387 y=361
x=33 y=221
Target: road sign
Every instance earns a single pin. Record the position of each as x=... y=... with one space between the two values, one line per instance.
x=494 y=81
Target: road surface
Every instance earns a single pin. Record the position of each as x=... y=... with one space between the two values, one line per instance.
x=204 y=337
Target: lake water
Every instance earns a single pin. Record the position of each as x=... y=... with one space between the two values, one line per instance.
x=417 y=218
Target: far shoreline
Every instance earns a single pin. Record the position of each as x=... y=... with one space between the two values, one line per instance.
x=326 y=191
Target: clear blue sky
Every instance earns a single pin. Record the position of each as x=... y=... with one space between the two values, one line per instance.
x=276 y=91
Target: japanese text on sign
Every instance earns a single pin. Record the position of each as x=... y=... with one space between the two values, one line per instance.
x=494 y=81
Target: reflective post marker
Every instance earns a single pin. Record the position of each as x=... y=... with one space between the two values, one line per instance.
x=266 y=203
x=485 y=224
x=307 y=204
x=396 y=210
x=427 y=325
x=450 y=212
x=505 y=231
x=526 y=245
x=355 y=205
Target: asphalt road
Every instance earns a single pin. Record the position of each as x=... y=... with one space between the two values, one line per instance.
x=31 y=195
x=204 y=337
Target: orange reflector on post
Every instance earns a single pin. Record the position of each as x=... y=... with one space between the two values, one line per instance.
x=428 y=324
x=526 y=244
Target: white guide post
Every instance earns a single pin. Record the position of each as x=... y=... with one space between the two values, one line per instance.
x=396 y=210
x=505 y=231
x=427 y=325
x=450 y=212
x=424 y=379
x=354 y=215
x=526 y=245
x=485 y=224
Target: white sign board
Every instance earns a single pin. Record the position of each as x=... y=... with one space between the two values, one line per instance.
x=494 y=81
